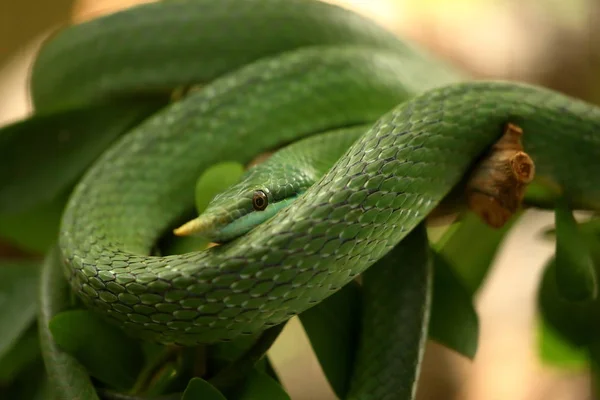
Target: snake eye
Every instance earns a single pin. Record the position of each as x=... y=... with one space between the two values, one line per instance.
x=259 y=200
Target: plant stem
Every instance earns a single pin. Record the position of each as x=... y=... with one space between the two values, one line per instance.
x=235 y=373
x=149 y=369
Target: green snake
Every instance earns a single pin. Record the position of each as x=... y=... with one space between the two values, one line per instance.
x=266 y=189
x=274 y=72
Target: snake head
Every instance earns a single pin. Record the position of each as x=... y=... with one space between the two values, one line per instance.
x=259 y=195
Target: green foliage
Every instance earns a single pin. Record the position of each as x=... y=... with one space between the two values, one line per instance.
x=104 y=350
x=69 y=352
x=200 y=389
x=81 y=346
x=483 y=242
x=575 y=275
x=576 y=321
x=395 y=312
x=65 y=144
x=260 y=386
x=33 y=230
x=69 y=378
x=332 y=327
x=214 y=180
x=117 y=362
x=458 y=276
x=568 y=330
x=22 y=354
x=454 y=322
x=42 y=157
x=557 y=351
x=18 y=286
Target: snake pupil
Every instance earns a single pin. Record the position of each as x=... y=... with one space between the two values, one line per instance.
x=259 y=200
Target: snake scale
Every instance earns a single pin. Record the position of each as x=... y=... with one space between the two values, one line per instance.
x=272 y=72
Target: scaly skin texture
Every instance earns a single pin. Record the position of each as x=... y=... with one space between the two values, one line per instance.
x=183 y=42
x=387 y=183
x=284 y=176
x=124 y=203
x=69 y=378
x=393 y=331
x=274 y=71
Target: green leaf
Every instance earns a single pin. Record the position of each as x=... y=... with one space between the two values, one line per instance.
x=36 y=229
x=540 y=195
x=235 y=373
x=198 y=389
x=575 y=274
x=555 y=350
x=482 y=243
x=577 y=322
x=590 y=227
x=214 y=180
x=20 y=356
x=30 y=384
x=221 y=355
x=454 y=321
x=545 y=195
x=107 y=353
x=396 y=303
x=260 y=386
x=18 y=289
x=265 y=365
x=44 y=154
x=183 y=244
x=69 y=378
x=332 y=327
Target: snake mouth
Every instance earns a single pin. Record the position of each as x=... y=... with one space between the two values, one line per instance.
x=202 y=226
x=221 y=226
x=217 y=226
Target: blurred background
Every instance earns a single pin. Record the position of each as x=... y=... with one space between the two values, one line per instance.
x=553 y=43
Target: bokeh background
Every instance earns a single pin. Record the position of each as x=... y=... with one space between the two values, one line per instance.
x=554 y=43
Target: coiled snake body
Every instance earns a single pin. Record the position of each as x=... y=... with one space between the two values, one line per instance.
x=274 y=71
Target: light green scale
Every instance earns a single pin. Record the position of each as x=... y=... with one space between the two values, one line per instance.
x=274 y=72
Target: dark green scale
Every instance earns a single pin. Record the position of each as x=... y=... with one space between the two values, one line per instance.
x=273 y=72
